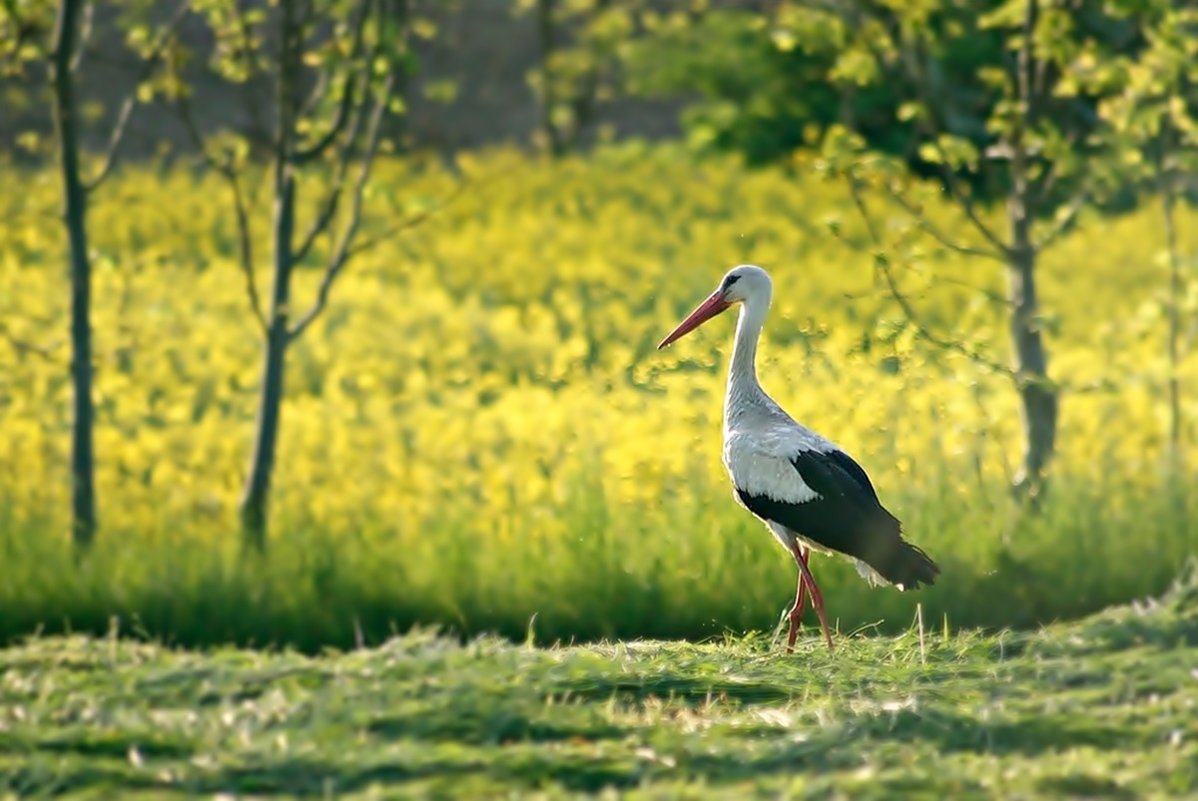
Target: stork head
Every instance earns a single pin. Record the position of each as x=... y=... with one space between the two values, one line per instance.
x=746 y=283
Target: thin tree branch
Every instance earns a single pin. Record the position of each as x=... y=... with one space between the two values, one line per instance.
x=905 y=304
x=411 y=221
x=1004 y=459
x=319 y=90
x=934 y=131
x=348 y=95
x=193 y=133
x=321 y=145
x=341 y=253
x=993 y=297
x=963 y=199
x=112 y=151
x=929 y=227
x=1064 y=221
x=45 y=352
x=245 y=245
x=328 y=212
x=85 y=34
x=348 y=112
x=1049 y=180
x=244 y=240
x=926 y=334
x=117 y=138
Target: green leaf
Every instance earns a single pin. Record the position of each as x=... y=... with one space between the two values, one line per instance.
x=1008 y=15
x=784 y=39
x=911 y=110
x=424 y=28
x=29 y=141
x=442 y=91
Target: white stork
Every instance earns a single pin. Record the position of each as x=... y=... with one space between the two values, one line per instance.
x=809 y=493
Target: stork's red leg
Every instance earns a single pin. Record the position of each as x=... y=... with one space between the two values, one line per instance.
x=817 y=600
x=796 y=612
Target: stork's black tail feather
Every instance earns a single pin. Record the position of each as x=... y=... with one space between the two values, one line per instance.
x=907 y=567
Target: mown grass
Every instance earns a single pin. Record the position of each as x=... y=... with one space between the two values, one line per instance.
x=1099 y=708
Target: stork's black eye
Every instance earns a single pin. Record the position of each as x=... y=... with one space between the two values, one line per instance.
x=729 y=281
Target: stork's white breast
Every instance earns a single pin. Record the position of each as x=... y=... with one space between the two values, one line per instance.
x=759 y=462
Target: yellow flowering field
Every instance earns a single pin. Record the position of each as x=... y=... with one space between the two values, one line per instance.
x=481 y=421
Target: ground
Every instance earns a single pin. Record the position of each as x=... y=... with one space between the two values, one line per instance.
x=1103 y=707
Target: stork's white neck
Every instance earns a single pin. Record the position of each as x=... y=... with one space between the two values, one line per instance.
x=743 y=389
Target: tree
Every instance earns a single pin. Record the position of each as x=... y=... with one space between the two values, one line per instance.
x=977 y=97
x=1153 y=136
x=577 y=56
x=21 y=26
x=333 y=72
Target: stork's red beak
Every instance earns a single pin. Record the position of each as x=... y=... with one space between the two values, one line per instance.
x=706 y=310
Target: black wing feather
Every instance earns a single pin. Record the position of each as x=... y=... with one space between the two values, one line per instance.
x=854 y=470
x=846 y=517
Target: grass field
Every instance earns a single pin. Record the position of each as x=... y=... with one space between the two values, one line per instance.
x=480 y=432
x=1099 y=708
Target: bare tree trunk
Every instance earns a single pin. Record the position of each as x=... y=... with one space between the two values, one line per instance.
x=83 y=494
x=254 y=498
x=1168 y=203
x=1038 y=397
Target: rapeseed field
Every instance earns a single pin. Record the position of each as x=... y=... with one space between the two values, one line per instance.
x=481 y=435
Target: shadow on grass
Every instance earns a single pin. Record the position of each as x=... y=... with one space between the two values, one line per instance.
x=1030 y=736
x=494 y=726
x=1083 y=786
x=578 y=769
x=86 y=743
x=320 y=778
x=293 y=777
x=674 y=688
x=843 y=747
